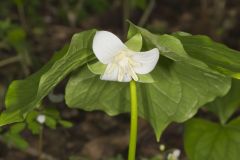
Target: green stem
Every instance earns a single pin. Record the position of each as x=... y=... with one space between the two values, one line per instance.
x=134 y=122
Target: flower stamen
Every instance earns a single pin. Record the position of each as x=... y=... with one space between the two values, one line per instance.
x=124 y=63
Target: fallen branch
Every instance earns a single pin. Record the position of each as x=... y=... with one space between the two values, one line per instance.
x=9 y=61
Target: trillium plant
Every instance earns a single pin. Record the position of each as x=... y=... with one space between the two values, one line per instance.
x=115 y=77
x=123 y=65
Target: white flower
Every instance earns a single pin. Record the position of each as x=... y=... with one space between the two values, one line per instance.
x=162 y=147
x=123 y=64
x=41 y=118
x=174 y=155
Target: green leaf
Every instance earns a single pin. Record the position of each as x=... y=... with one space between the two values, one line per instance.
x=51 y=122
x=32 y=116
x=208 y=140
x=135 y=42
x=91 y=93
x=176 y=95
x=32 y=123
x=97 y=67
x=142 y=4
x=17 y=128
x=215 y=55
x=66 y=124
x=15 y=140
x=225 y=106
x=16 y=36
x=52 y=112
x=19 y=2
x=168 y=45
x=199 y=51
x=24 y=95
x=34 y=127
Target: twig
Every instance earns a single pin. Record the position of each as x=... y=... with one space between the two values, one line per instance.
x=219 y=7
x=22 y=16
x=9 y=61
x=40 y=144
x=126 y=15
x=72 y=11
x=147 y=13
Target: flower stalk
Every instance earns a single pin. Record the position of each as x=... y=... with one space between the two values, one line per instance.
x=134 y=121
x=40 y=143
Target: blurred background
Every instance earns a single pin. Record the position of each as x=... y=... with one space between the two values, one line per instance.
x=31 y=31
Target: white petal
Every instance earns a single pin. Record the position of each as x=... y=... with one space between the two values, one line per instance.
x=112 y=74
x=146 y=60
x=106 y=45
x=176 y=153
x=126 y=78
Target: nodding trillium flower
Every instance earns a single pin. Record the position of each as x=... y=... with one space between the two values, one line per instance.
x=123 y=64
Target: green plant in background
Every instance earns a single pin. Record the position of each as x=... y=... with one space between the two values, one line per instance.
x=75 y=11
x=51 y=119
x=191 y=72
x=35 y=122
x=13 y=137
x=14 y=37
x=225 y=107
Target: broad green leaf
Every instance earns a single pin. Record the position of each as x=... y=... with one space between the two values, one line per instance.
x=93 y=94
x=24 y=95
x=168 y=45
x=145 y=78
x=179 y=91
x=208 y=140
x=225 y=106
x=215 y=55
x=198 y=51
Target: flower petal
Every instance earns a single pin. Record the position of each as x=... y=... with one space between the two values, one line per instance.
x=112 y=74
x=147 y=61
x=106 y=45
